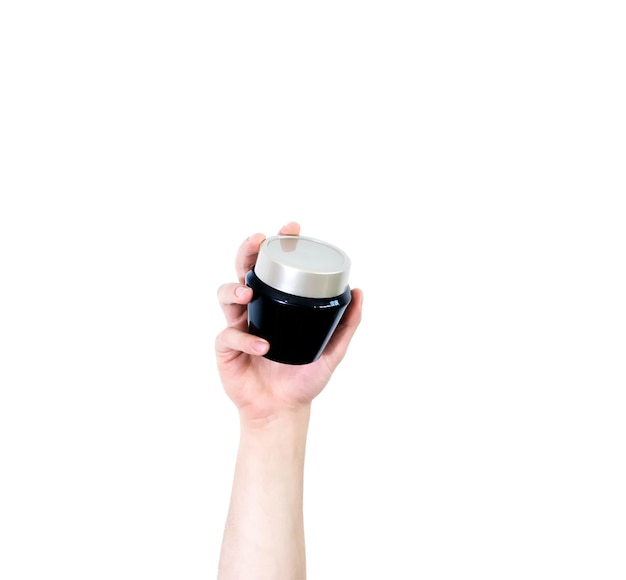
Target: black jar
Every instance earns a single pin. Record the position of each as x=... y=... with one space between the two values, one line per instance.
x=301 y=291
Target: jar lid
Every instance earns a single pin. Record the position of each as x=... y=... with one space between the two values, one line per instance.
x=303 y=266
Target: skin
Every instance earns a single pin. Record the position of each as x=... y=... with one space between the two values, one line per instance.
x=264 y=532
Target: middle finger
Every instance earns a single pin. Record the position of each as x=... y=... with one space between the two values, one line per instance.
x=233 y=299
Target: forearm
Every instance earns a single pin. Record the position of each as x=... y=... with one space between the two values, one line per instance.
x=264 y=535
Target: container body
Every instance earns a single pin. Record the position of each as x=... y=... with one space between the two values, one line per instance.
x=296 y=327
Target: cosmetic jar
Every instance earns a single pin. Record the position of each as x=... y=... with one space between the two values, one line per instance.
x=301 y=291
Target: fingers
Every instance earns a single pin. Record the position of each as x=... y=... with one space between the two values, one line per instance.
x=246 y=256
x=233 y=299
x=290 y=229
x=248 y=251
x=231 y=341
x=338 y=344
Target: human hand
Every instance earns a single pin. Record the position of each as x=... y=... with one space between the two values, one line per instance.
x=260 y=388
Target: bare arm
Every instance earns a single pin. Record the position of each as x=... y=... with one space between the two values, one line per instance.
x=264 y=535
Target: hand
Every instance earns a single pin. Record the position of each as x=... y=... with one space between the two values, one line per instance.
x=260 y=388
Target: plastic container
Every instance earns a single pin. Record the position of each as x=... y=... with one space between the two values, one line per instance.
x=301 y=291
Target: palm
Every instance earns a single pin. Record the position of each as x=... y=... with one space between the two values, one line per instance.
x=256 y=381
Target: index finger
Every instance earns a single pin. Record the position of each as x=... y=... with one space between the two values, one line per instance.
x=249 y=250
x=246 y=256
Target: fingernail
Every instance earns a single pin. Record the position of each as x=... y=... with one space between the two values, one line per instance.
x=240 y=290
x=260 y=346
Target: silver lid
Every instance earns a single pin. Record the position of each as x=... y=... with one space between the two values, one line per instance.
x=303 y=266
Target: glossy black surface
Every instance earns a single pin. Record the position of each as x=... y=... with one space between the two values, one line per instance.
x=296 y=327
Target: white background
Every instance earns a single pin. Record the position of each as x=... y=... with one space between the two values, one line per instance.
x=468 y=156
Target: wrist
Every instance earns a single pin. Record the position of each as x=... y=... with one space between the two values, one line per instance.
x=290 y=419
x=276 y=444
x=280 y=436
